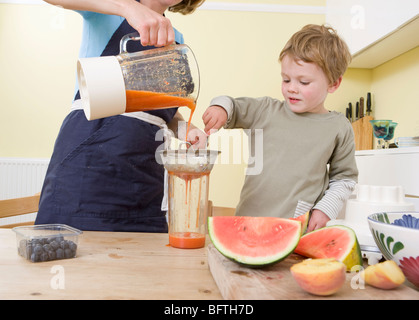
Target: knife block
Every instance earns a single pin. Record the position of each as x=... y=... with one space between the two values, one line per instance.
x=363 y=133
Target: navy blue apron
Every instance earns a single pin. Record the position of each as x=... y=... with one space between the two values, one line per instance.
x=103 y=175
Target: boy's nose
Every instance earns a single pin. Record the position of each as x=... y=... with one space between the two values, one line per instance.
x=292 y=88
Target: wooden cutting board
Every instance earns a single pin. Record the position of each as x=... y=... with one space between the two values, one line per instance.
x=276 y=282
x=363 y=133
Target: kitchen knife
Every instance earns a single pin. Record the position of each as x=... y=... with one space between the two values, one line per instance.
x=368 y=103
x=361 y=107
x=350 y=112
x=357 y=111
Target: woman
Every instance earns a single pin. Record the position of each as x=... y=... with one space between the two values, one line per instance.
x=103 y=174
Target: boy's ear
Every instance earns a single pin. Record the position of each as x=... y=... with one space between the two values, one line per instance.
x=335 y=86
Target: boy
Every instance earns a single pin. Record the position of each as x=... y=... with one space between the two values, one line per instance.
x=300 y=137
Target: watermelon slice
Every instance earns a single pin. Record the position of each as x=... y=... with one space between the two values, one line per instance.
x=304 y=221
x=254 y=241
x=335 y=241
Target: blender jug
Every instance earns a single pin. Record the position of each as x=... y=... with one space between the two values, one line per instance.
x=153 y=79
x=188 y=172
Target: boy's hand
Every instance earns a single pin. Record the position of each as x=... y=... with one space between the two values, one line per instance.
x=317 y=220
x=214 y=118
x=197 y=138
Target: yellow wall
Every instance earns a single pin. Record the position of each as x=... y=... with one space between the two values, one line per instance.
x=39 y=47
x=396 y=92
x=237 y=53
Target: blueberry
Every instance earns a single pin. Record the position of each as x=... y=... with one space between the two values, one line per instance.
x=64 y=244
x=34 y=242
x=44 y=256
x=54 y=244
x=68 y=253
x=35 y=257
x=59 y=253
x=37 y=249
x=52 y=255
x=72 y=246
x=46 y=249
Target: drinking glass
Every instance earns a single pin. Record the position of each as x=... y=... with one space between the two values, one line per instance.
x=390 y=135
x=188 y=187
x=380 y=131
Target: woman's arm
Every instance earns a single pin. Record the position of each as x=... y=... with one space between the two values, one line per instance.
x=153 y=27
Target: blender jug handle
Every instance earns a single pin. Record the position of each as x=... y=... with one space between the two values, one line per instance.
x=135 y=36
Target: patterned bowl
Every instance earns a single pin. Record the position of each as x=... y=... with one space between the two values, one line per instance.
x=397 y=236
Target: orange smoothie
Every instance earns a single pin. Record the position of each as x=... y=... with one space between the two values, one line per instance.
x=187 y=240
x=189 y=215
x=147 y=100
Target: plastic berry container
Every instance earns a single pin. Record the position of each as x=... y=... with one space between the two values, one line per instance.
x=47 y=242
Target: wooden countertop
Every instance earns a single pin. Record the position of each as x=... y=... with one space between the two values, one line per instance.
x=109 y=265
x=116 y=265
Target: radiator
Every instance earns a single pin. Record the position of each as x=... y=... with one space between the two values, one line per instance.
x=21 y=177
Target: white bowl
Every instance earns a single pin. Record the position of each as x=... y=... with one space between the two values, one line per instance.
x=396 y=234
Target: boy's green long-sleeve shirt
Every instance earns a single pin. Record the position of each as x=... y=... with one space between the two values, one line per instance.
x=308 y=159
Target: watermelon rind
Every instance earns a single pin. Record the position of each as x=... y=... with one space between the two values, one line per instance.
x=304 y=221
x=261 y=260
x=350 y=257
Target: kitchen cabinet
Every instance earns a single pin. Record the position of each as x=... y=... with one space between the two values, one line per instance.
x=391 y=167
x=376 y=31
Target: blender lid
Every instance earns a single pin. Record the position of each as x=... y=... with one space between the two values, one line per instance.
x=102 y=87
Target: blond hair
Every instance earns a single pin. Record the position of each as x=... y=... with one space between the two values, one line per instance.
x=320 y=45
x=186 y=6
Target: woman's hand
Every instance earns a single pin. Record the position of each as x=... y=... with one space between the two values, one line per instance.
x=154 y=29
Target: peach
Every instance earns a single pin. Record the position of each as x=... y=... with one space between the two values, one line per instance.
x=321 y=277
x=383 y=275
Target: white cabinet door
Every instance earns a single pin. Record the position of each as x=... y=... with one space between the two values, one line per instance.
x=390 y=167
x=362 y=22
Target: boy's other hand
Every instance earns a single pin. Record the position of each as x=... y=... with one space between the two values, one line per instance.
x=317 y=220
x=214 y=118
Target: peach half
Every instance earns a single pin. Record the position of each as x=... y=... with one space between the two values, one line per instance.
x=383 y=275
x=320 y=277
